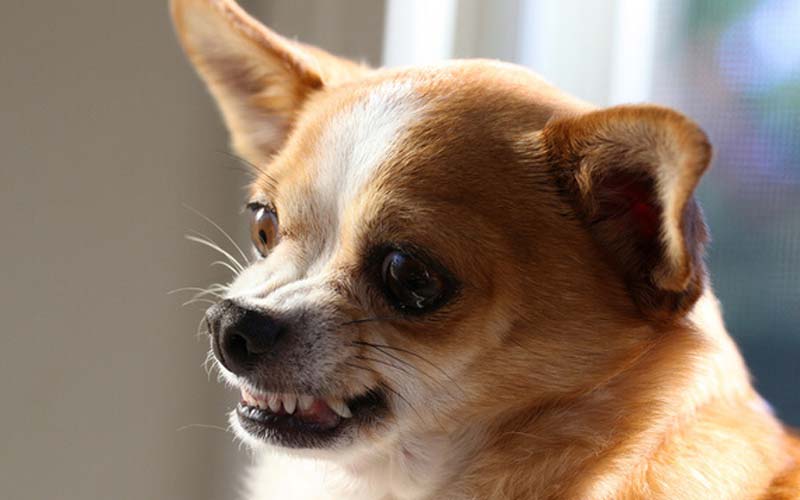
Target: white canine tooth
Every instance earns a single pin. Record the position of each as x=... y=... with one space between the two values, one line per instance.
x=289 y=403
x=305 y=401
x=248 y=399
x=339 y=407
x=274 y=402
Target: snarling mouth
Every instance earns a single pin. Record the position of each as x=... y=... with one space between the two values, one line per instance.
x=305 y=421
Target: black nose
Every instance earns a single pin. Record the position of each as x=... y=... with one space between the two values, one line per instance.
x=241 y=337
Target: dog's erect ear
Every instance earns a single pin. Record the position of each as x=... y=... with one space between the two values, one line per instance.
x=630 y=172
x=258 y=78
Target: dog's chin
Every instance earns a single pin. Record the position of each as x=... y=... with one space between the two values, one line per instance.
x=305 y=422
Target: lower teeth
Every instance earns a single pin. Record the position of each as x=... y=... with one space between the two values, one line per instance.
x=263 y=414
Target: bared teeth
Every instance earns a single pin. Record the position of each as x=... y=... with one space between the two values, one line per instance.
x=256 y=400
x=274 y=401
x=305 y=403
x=248 y=398
x=339 y=407
x=289 y=403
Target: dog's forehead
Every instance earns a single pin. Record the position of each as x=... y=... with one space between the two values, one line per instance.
x=341 y=143
x=382 y=130
x=360 y=138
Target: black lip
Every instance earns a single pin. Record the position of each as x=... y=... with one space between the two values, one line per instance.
x=290 y=432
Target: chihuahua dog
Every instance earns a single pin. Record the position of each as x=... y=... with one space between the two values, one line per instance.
x=470 y=285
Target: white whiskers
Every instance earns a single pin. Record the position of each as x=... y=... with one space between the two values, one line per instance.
x=216 y=291
x=224 y=233
x=209 y=365
x=201 y=291
x=226 y=265
x=201 y=238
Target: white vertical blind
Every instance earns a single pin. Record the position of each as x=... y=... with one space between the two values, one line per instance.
x=418 y=31
x=569 y=42
x=633 y=51
x=601 y=50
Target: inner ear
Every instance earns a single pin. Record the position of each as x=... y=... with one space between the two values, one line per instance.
x=630 y=173
x=259 y=79
x=632 y=200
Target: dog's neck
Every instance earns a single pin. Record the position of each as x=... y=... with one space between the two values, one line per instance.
x=406 y=467
x=587 y=447
x=591 y=447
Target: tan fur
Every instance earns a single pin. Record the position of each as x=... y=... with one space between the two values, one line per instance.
x=574 y=362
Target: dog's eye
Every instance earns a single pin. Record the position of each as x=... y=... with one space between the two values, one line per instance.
x=411 y=283
x=263 y=228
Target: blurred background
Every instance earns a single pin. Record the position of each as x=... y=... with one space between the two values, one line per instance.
x=106 y=133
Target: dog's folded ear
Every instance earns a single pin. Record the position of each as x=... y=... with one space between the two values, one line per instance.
x=258 y=78
x=630 y=173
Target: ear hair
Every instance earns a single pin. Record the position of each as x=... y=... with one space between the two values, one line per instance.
x=630 y=173
x=258 y=78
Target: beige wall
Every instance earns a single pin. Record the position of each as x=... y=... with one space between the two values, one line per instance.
x=104 y=133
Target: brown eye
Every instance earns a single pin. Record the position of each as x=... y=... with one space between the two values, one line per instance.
x=263 y=228
x=410 y=283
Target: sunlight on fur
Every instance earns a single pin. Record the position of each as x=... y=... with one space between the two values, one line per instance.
x=467 y=284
